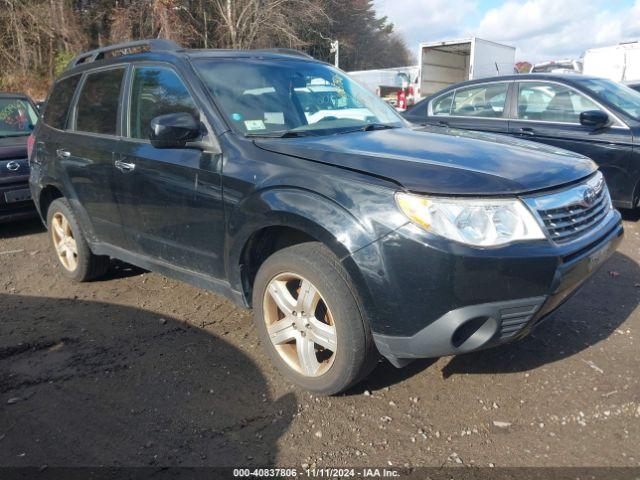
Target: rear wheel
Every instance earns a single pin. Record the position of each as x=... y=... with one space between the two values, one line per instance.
x=309 y=320
x=70 y=248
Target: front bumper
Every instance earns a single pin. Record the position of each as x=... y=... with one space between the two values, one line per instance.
x=436 y=298
x=15 y=201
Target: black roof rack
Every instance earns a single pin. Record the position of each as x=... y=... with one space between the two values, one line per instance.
x=285 y=51
x=98 y=53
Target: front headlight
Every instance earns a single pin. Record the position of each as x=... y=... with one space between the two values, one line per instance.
x=479 y=222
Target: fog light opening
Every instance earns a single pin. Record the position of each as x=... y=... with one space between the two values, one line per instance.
x=474 y=333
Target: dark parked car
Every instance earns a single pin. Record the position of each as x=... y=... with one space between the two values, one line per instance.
x=350 y=234
x=18 y=118
x=592 y=116
x=634 y=85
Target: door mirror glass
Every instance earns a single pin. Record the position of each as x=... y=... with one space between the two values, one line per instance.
x=594 y=118
x=173 y=130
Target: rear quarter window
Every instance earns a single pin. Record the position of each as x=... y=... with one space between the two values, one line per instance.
x=57 y=108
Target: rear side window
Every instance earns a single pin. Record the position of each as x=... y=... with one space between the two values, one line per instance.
x=485 y=101
x=442 y=105
x=97 y=110
x=55 y=113
x=156 y=91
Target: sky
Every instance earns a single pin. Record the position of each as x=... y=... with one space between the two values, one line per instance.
x=540 y=30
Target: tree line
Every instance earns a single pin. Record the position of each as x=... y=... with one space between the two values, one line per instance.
x=39 y=37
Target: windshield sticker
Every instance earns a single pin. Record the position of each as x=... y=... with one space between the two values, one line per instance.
x=236 y=116
x=254 y=125
x=274 y=117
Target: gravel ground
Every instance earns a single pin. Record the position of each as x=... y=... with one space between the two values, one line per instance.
x=137 y=369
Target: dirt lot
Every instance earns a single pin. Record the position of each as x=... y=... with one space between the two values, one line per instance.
x=138 y=369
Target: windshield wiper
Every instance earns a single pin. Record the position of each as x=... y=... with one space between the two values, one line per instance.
x=369 y=127
x=285 y=134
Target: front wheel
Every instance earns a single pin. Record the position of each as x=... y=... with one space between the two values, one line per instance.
x=310 y=321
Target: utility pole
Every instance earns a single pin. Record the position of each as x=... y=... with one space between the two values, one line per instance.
x=206 y=33
x=335 y=48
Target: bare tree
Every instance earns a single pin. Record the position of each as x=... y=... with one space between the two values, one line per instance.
x=38 y=37
x=245 y=24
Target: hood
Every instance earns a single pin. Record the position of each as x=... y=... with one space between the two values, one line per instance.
x=442 y=161
x=13 y=147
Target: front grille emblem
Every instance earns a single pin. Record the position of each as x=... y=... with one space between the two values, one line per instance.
x=13 y=166
x=589 y=197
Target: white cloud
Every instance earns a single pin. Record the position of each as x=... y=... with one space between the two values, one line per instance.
x=424 y=20
x=540 y=29
x=551 y=29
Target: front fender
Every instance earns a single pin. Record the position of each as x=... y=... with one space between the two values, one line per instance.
x=309 y=212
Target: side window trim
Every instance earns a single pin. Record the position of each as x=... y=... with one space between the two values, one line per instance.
x=126 y=132
x=617 y=122
x=505 y=113
x=71 y=121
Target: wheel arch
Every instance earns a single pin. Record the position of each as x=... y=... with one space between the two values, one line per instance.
x=47 y=195
x=274 y=220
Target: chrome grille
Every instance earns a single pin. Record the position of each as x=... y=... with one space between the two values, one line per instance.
x=572 y=213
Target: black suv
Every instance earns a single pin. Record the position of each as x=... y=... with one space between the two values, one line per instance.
x=18 y=117
x=277 y=181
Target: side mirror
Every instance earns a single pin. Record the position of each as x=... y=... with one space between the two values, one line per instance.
x=174 y=130
x=594 y=118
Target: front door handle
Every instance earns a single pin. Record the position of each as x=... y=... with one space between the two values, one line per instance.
x=63 y=153
x=526 y=131
x=124 y=167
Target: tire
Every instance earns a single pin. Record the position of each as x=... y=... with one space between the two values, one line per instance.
x=79 y=263
x=291 y=270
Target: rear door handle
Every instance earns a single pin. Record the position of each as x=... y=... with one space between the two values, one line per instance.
x=63 y=153
x=526 y=131
x=124 y=167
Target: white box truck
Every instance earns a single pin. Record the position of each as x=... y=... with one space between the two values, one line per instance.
x=444 y=63
x=386 y=82
x=620 y=63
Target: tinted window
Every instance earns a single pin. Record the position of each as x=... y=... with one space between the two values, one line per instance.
x=480 y=101
x=98 y=102
x=156 y=91
x=442 y=105
x=550 y=102
x=55 y=113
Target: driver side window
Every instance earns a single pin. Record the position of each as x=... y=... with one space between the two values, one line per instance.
x=550 y=102
x=156 y=91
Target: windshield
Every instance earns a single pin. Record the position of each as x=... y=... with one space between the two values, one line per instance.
x=621 y=96
x=17 y=117
x=273 y=97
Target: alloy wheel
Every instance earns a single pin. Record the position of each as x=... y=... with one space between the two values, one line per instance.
x=300 y=324
x=63 y=242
